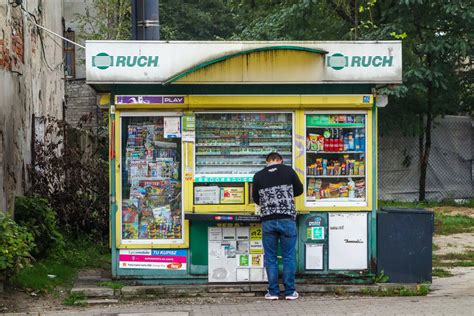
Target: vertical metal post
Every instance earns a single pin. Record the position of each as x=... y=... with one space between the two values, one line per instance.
x=373 y=221
x=146 y=20
x=113 y=194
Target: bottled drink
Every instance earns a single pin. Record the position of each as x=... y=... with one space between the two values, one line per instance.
x=331 y=140
x=346 y=142
x=357 y=140
x=362 y=141
x=341 y=141
x=351 y=188
x=350 y=141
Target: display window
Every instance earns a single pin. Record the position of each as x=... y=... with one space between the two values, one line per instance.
x=231 y=147
x=151 y=205
x=336 y=159
x=235 y=144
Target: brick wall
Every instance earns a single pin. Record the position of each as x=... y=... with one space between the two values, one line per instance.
x=81 y=102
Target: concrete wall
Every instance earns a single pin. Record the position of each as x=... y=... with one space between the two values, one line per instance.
x=31 y=84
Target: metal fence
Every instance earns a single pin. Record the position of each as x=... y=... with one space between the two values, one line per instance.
x=450 y=168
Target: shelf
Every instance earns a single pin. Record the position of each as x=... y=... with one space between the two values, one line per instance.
x=238 y=154
x=335 y=152
x=230 y=164
x=334 y=125
x=235 y=137
x=149 y=178
x=242 y=145
x=244 y=128
x=335 y=177
x=203 y=178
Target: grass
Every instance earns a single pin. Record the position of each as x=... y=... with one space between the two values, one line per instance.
x=61 y=267
x=420 y=290
x=426 y=204
x=441 y=273
x=453 y=224
x=444 y=224
x=454 y=260
x=75 y=299
x=115 y=285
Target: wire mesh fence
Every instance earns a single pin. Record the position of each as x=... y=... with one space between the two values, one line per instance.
x=450 y=167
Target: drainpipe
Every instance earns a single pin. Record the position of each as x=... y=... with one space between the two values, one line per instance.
x=145 y=20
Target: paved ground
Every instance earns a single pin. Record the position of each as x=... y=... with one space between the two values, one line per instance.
x=450 y=296
x=430 y=305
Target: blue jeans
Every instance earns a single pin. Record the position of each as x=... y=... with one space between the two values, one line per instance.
x=285 y=231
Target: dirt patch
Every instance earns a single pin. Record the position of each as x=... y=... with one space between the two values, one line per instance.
x=454 y=210
x=456 y=243
x=14 y=300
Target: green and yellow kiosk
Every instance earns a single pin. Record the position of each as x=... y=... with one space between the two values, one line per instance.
x=190 y=124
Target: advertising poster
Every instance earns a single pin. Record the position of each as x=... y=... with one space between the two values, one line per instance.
x=189 y=128
x=231 y=258
x=153 y=259
x=206 y=195
x=232 y=195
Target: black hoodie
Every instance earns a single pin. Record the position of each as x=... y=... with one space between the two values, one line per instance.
x=274 y=189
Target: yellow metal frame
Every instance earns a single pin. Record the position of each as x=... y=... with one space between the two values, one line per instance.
x=118 y=221
x=300 y=164
x=297 y=103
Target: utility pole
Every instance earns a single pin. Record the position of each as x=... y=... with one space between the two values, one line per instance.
x=145 y=20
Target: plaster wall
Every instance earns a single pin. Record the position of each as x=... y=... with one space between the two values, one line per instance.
x=31 y=85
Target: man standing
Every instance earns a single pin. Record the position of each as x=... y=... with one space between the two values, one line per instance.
x=274 y=189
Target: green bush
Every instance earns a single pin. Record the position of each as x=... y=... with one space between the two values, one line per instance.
x=34 y=213
x=16 y=243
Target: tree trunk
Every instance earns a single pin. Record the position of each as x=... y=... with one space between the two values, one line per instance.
x=425 y=151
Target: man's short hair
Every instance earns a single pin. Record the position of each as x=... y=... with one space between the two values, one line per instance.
x=274 y=156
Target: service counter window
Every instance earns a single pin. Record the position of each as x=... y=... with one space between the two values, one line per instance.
x=231 y=148
x=336 y=159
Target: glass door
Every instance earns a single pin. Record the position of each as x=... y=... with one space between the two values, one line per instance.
x=151 y=179
x=336 y=158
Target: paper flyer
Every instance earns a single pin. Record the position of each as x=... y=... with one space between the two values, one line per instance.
x=172 y=127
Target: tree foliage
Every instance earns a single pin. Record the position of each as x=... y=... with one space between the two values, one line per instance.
x=437 y=42
x=196 y=20
x=105 y=20
x=437 y=63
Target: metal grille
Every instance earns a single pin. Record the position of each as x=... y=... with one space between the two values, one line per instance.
x=450 y=168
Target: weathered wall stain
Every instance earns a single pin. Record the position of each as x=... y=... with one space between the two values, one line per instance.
x=31 y=85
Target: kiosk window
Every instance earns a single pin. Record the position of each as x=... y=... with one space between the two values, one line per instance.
x=232 y=146
x=151 y=182
x=336 y=158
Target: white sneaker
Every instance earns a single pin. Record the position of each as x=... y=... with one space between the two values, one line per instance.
x=293 y=296
x=268 y=296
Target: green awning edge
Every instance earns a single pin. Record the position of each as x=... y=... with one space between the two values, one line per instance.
x=244 y=52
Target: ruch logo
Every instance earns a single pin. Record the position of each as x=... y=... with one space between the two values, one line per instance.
x=104 y=61
x=339 y=61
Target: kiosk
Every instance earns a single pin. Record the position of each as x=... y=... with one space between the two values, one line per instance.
x=190 y=124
